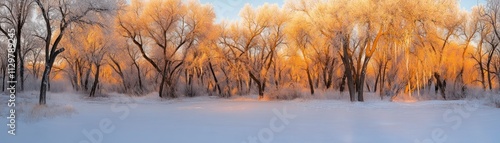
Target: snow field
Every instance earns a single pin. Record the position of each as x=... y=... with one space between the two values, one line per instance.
x=72 y=118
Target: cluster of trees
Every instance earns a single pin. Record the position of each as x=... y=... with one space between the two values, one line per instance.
x=176 y=47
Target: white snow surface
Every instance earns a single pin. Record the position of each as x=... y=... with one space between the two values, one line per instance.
x=74 y=118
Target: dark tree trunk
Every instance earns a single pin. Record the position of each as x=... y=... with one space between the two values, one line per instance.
x=361 y=81
x=215 y=77
x=440 y=85
x=261 y=92
x=249 y=87
x=479 y=61
x=375 y=86
x=86 y=82
x=139 y=76
x=347 y=66
x=48 y=81
x=162 y=83
x=96 y=81
x=279 y=79
x=260 y=85
x=20 y=60
x=325 y=78
x=488 y=66
x=189 y=77
x=80 y=76
x=368 y=87
x=118 y=69
x=330 y=75
x=382 y=81
x=488 y=73
x=3 y=77
x=377 y=78
x=124 y=84
x=342 y=83
x=482 y=76
x=43 y=88
x=45 y=76
x=311 y=86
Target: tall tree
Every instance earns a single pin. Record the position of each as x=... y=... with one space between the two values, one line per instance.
x=57 y=17
x=173 y=26
x=301 y=36
x=15 y=14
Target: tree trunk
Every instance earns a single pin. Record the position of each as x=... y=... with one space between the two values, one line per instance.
x=261 y=92
x=361 y=81
x=249 y=85
x=330 y=77
x=48 y=82
x=163 y=78
x=440 y=85
x=79 y=77
x=342 y=83
x=260 y=85
x=190 y=76
x=382 y=81
x=43 y=88
x=368 y=87
x=45 y=76
x=118 y=69
x=215 y=77
x=377 y=78
x=139 y=76
x=96 y=81
x=479 y=61
x=488 y=67
x=462 y=68
x=3 y=77
x=489 y=77
x=21 y=69
x=86 y=82
x=124 y=83
x=325 y=78
x=347 y=67
x=311 y=86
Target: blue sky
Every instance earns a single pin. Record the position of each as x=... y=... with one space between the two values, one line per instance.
x=230 y=9
x=468 y=4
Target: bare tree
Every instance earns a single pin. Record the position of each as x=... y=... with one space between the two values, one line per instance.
x=3 y=64
x=173 y=26
x=57 y=17
x=302 y=37
x=15 y=14
x=97 y=45
x=469 y=30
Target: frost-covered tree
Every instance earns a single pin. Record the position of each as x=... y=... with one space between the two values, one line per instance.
x=14 y=14
x=174 y=27
x=57 y=17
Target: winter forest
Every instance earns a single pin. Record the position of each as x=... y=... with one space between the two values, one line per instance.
x=425 y=54
x=426 y=49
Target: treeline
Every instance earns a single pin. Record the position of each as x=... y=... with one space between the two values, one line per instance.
x=424 y=48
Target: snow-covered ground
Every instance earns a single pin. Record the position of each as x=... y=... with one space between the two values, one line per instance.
x=71 y=118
